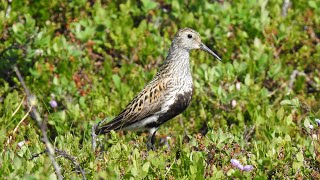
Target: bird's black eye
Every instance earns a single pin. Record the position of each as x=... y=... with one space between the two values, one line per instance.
x=189 y=36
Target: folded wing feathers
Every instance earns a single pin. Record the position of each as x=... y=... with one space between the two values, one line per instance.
x=145 y=104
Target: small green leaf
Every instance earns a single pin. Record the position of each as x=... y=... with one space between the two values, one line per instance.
x=297 y=165
x=82 y=102
x=53 y=176
x=247 y=80
x=230 y=172
x=292 y=102
x=312 y=4
x=55 y=81
x=280 y=113
x=134 y=171
x=300 y=156
x=22 y=151
x=17 y=162
x=287 y=138
x=289 y=119
x=146 y=166
x=148 y=5
x=306 y=123
x=117 y=81
x=285 y=102
x=16 y=27
x=193 y=170
x=257 y=43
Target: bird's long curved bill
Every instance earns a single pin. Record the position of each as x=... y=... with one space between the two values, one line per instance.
x=206 y=49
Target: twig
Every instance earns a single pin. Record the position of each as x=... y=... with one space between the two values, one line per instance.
x=14 y=113
x=37 y=155
x=72 y=159
x=24 y=117
x=170 y=167
x=94 y=138
x=13 y=46
x=65 y=155
x=296 y=73
x=16 y=128
x=8 y=9
x=285 y=6
x=312 y=34
x=248 y=134
x=36 y=116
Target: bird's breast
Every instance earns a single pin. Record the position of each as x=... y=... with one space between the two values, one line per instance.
x=174 y=106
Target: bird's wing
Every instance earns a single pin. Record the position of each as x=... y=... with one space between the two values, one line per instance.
x=145 y=104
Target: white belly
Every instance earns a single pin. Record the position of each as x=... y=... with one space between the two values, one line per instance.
x=141 y=124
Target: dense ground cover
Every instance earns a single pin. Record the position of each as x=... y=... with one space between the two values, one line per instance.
x=259 y=106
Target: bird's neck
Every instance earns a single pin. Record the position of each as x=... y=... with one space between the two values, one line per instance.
x=177 y=62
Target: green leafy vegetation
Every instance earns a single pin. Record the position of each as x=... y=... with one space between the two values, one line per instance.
x=85 y=61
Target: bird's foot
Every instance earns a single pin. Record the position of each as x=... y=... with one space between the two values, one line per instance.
x=151 y=146
x=165 y=142
x=150 y=143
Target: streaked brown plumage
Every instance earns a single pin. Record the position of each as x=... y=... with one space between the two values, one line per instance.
x=167 y=95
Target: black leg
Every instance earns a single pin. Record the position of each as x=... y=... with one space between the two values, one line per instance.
x=153 y=138
x=151 y=141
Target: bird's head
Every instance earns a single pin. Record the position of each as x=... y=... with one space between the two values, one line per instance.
x=189 y=39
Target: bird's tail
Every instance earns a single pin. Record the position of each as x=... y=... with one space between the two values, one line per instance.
x=101 y=127
x=116 y=124
x=104 y=127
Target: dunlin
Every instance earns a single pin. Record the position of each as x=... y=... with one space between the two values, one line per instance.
x=168 y=94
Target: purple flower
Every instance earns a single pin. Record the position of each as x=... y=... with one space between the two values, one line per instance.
x=53 y=103
x=247 y=168
x=236 y=163
x=240 y=167
x=318 y=121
